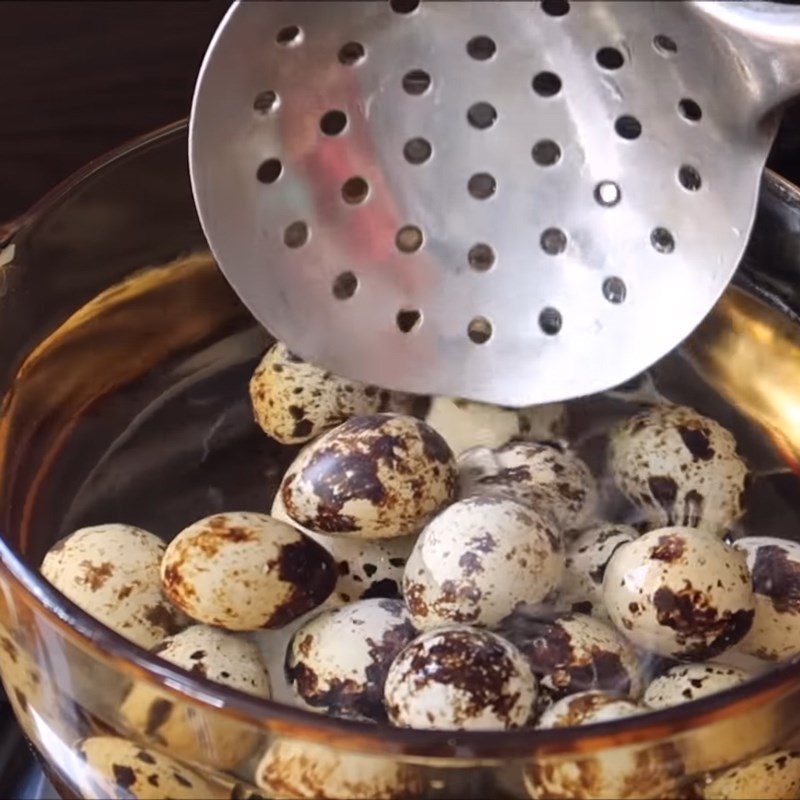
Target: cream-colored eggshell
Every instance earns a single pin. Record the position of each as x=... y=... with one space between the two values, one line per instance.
x=469 y=679
x=619 y=773
x=302 y=769
x=679 y=468
x=465 y=424
x=378 y=476
x=772 y=777
x=587 y=557
x=338 y=660
x=112 y=573
x=774 y=566
x=294 y=401
x=572 y=653
x=114 y=767
x=244 y=571
x=190 y=732
x=478 y=560
x=545 y=477
x=365 y=568
x=688 y=682
x=680 y=592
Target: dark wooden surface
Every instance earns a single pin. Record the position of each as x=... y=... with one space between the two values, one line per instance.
x=79 y=77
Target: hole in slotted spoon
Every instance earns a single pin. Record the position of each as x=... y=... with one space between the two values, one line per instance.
x=269 y=171
x=690 y=109
x=546 y=84
x=550 y=321
x=351 y=54
x=479 y=330
x=417 y=150
x=481 y=48
x=408 y=319
x=555 y=8
x=628 y=127
x=665 y=45
x=607 y=193
x=289 y=36
x=482 y=115
x=610 y=58
x=662 y=240
x=416 y=82
x=481 y=257
x=409 y=239
x=614 y=289
x=295 y=235
x=553 y=241
x=345 y=285
x=689 y=178
x=546 y=153
x=355 y=190
x=404 y=6
x=266 y=102
x=333 y=122
x=482 y=185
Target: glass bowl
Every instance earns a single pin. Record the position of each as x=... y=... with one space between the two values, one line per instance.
x=123 y=360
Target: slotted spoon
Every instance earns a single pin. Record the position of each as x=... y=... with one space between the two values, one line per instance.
x=514 y=202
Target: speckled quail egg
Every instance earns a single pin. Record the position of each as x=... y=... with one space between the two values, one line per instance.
x=574 y=653
x=365 y=568
x=244 y=571
x=549 y=479
x=687 y=682
x=294 y=401
x=112 y=573
x=774 y=566
x=188 y=731
x=465 y=424
x=679 y=468
x=114 y=767
x=478 y=560
x=338 y=660
x=460 y=678
x=586 y=559
x=772 y=777
x=301 y=769
x=625 y=772
x=680 y=592
x=378 y=477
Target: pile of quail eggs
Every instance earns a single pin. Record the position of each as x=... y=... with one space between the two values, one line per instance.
x=452 y=570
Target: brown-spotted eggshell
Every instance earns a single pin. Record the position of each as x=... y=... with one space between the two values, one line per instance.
x=687 y=682
x=378 y=476
x=775 y=776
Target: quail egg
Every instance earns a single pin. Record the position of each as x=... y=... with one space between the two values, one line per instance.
x=574 y=653
x=114 y=767
x=772 y=777
x=549 y=479
x=301 y=769
x=294 y=401
x=378 y=477
x=619 y=773
x=586 y=560
x=687 y=682
x=465 y=424
x=365 y=568
x=460 y=678
x=680 y=592
x=243 y=571
x=338 y=660
x=774 y=566
x=112 y=573
x=679 y=468
x=478 y=560
x=187 y=730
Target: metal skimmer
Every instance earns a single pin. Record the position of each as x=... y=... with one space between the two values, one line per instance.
x=514 y=202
